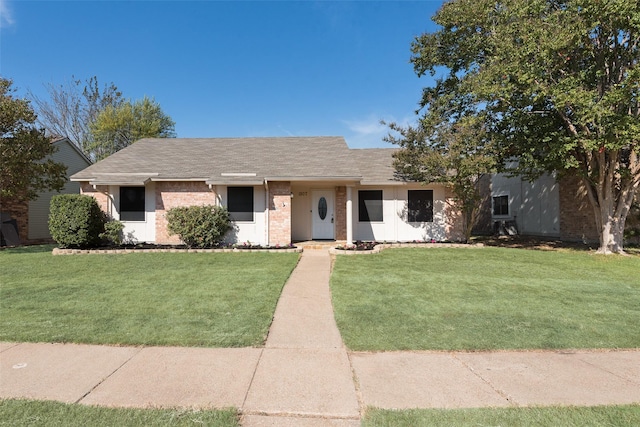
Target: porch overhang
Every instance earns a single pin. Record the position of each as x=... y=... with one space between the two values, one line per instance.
x=138 y=179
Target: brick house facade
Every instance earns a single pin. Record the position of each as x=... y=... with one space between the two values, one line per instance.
x=277 y=190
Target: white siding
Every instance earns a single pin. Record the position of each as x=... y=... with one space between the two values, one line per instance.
x=254 y=231
x=138 y=231
x=394 y=226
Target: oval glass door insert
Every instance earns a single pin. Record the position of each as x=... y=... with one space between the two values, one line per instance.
x=322 y=208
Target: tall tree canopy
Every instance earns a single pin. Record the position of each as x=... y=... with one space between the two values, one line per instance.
x=25 y=168
x=116 y=127
x=558 y=84
x=73 y=106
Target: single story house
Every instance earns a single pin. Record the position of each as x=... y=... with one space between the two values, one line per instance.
x=278 y=190
x=32 y=218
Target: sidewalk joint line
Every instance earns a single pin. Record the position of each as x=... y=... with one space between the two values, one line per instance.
x=109 y=376
x=356 y=384
x=500 y=393
x=253 y=377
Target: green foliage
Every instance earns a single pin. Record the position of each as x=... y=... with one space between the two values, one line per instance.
x=119 y=126
x=112 y=232
x=25 y=166
x=75 y=221
x=558 y=85
x=199 y=226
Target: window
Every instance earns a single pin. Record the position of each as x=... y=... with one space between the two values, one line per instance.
x=132 y=203
x=370 y=205
x=420 y=206
x=240 y=203
x=501 y=205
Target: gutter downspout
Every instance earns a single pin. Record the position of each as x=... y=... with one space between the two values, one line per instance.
x=110 y=201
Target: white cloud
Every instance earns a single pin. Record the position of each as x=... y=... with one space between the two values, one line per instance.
x=368 y=132
x=6 y=17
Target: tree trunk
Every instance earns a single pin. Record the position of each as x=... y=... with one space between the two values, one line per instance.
x=611 y=204
x=611 y=235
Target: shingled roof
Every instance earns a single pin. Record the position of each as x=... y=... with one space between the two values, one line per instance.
x=241 y=160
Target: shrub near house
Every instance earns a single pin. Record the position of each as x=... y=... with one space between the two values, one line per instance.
x=75 y=221
x=199 y=226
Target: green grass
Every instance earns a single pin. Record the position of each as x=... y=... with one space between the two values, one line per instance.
x=627 y=415
x=50 y=414
x=174 y=299
x=487 y=298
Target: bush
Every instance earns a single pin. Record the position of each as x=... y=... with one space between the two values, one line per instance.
x=75 y=221
x=112 y=232
x=199 y=226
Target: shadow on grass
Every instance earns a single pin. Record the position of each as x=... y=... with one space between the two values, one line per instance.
x=28 y=249
x=545 y=244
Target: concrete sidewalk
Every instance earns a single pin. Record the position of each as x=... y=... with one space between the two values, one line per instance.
x=305 y=377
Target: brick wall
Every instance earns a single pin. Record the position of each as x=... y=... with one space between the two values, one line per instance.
x=454 y=222
x=173 y=194
x=99 y=193
x=279 y=213
x=341 y=213
x=577 y=219
x=485 y=223
x=20 y=212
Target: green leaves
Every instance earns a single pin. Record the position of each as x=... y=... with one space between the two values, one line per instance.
x=25 y=169
x=75 y=221
x=199 y=226
x=116 y=127
x=557 y=83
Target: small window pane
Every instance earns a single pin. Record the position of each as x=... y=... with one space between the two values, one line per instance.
x=420 y=206
x=501 y=205
x=240 y=203
x=370 y=205
x=132 y=204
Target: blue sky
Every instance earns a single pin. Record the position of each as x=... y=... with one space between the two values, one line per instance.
x=231 y=69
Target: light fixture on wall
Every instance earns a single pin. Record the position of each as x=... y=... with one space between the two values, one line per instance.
x=292 y=194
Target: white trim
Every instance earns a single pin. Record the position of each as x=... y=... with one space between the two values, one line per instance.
x=501 y=194
x=349 y=214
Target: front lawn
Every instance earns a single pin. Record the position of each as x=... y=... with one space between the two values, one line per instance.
x=486 y=299
x=625 y=415
x=174 y=299
x=15 y=412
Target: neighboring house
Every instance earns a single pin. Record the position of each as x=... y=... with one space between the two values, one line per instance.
x=548 y=207
x=32 y=218
x=277 y=190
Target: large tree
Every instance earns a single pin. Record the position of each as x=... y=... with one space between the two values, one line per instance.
x=116 y=127
x=559 y=84
x=25 y=165
x=73 y=106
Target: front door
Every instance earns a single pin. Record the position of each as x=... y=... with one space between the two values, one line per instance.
x=322 y=214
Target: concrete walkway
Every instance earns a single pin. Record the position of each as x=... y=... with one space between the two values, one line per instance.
x=305 y=377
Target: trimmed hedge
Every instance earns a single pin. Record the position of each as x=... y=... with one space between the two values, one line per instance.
x=199 y=226
x=75 y=221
